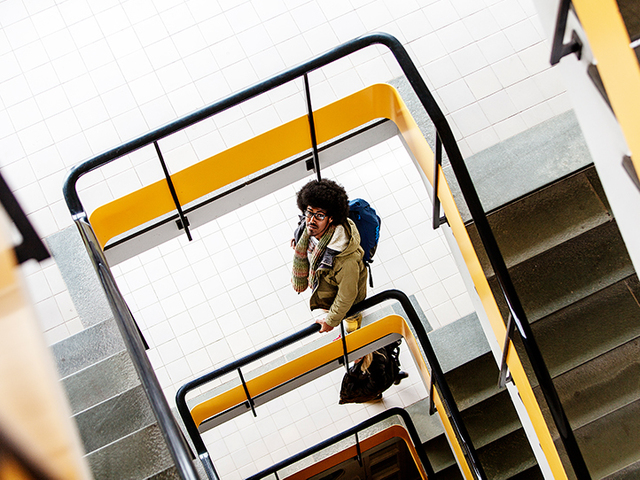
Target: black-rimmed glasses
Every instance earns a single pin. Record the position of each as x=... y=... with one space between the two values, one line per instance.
x=319 y=216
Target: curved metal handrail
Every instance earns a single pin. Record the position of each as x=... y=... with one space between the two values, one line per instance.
x=436 y=372
x=394 y=411
x=457 y=164
x=178 y=448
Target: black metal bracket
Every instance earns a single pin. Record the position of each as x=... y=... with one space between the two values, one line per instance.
x=312 y=163
x=345 y=355
x=437 y=219
x=250 y=401
x=182 y=222
x=505 y=375
x=31 y=245
x=627 y=164
x=560 y=49
x=358 y=451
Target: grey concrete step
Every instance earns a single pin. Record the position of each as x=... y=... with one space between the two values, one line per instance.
x=100 y=381
x=632 y=472
x=491 y=420
x=524 y=163
x=509 y=457
x=600 y=386
x=139 y=455
x=532 y=473
x=487 y=411
x=87 y=347
x=459 y=342
x=546 y=218
x=114 y=418
x=474 y=381
x=587 y=329
x=611 y=443
x=571 y=271
x=631 y=16
x=171 y=473
x=440 y=454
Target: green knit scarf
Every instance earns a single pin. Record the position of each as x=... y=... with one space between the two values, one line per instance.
x=304 y=275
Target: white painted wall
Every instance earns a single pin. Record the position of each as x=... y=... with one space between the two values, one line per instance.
x=601 y=130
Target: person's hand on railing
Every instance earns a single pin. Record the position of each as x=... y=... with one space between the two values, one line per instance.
x=324 y=326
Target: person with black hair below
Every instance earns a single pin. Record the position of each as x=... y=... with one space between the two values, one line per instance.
x=328 y=255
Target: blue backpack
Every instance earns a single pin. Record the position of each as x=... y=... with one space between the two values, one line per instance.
x=368 y=223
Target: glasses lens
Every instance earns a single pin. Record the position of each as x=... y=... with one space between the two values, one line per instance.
x=310 y=215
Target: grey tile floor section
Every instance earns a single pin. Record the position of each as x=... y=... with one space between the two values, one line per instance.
x=203 y=303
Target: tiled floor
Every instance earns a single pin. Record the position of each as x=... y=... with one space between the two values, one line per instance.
x=227 y=293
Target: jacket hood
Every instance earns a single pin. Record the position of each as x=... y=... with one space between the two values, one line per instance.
x=353 y=239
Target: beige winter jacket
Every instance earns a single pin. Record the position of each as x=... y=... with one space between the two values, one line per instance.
x=342 y=279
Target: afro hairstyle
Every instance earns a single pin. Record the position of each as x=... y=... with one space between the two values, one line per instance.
x=327 y=195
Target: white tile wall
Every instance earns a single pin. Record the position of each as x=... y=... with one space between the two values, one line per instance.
x=78 y=77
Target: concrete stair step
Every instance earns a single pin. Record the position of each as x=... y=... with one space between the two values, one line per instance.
x=171 y=473
x=114 y=418
x=610 y=444
x=139 y=455
x=546 y=218
x=87 y=347
x=632 y=472
x=631 y=16
x=487 y=411
x=100 y=381
x=533 y=473
x=524 y=163
x=509 y=457
x=491 y=420
x=587 y=329
x=474 y=381
x=459 y=342
x=491 y=423
x=439 y=453
x=571 y=271
x=598 y=387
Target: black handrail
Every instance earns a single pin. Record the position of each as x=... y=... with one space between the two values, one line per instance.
x=181 y=402
x=133 y=341
x=31 y=245
x=392 y=412
x=457 y=164
x=347 y=48
x=414 y=320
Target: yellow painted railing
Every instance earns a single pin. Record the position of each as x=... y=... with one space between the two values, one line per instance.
x=322 y=356
x=617 y=65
